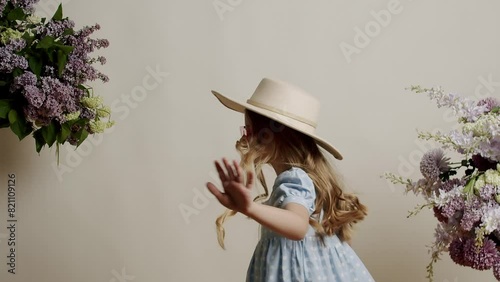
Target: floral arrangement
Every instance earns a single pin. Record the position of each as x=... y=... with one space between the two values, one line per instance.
x=464 y=196
x=44 y=67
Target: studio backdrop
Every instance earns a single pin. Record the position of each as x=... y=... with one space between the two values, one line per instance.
x=130 y=204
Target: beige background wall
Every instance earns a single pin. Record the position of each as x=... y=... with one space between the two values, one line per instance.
x=130 y=205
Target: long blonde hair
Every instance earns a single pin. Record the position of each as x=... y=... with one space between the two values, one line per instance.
x=272 y=142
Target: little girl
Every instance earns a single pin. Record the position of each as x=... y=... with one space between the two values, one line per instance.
x=308 y=219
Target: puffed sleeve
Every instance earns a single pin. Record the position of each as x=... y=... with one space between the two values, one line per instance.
x=295 y=186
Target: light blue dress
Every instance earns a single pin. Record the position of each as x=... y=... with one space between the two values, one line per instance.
x=277 y=259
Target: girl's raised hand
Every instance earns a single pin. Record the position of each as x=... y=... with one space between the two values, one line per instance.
x=236 y=194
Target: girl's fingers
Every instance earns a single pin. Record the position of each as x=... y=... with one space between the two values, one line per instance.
x=229 y=169
x=222 y=174
x=239 y=172
x=222 y=198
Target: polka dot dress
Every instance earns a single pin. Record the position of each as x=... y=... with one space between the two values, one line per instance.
x=277 y=259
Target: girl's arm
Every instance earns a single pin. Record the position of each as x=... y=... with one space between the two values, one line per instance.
x=291 y=222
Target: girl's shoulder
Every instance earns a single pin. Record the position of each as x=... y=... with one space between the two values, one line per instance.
x=294 y=175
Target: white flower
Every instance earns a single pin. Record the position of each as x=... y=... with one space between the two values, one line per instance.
x=444 y=197
x=33 y=19
x=9 y=34
x=492 y=176
x=491 y=220
x=480 y=182
x=92 y=102
x=72 y=116
x=98 y=126
x=103 y=112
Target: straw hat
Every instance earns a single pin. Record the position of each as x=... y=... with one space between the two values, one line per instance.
x=284 y=103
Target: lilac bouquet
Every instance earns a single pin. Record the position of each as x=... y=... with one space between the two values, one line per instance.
x=464 y=196
x=44 y=68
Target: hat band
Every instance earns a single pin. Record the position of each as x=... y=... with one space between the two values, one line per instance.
x=285 y=113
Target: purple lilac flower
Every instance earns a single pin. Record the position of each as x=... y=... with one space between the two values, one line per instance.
x=58 y=99
x=472 y=213
x=3 y=3
x=79 y=67
x=26 y=5
x=489 y=102
x=56 y=28
x=463 y=107
x=52 y=108
x=9 y=61
x=454 y=204
x=463 y=141
x=49 y=71
x=433 y=163
x=86 y=113
x=101 y=60
x=488 y=192
x=450 y=184
x=63 y=94
x=16 y=45
x=26 y=79
x=72 y=140
x=490 y=149
x=34 y=96
x=480 y=258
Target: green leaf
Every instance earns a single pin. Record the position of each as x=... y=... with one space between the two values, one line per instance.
x=39 y=140
x=46 y=43
x=4 y=109
x=64 y=133
x=64 y=48
x=28 y=38
x=49 y=134
x=84 y=88
x=58 y=16
x=470 y=185
x=3 y=83
x=496 y=110
x=36 y=65
x=12 y=116
x=68 y=31
x=83 y=134
x=62 y=59
x=50 y=54
x=16 y=14
x=20 y=127
x=17 y=72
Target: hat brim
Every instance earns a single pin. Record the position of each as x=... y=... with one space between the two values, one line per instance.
x=242 y=106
